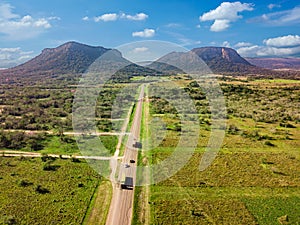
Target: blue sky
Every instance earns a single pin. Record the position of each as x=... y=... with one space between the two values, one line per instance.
x=254 y=28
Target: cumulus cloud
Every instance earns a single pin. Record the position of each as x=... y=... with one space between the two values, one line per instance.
x=21 y=27
x=220 y=25
x=284 y=41
x=242 y=44
x=281 y=18
x=225 y=14
x=106 y=17
x=273 y=47
x=146 y=33
x=272 y=51
x=138 y=16
x=114 y=16
x=10 y=57
x=249 y=51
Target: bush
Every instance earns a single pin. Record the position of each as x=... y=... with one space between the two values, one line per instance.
x=8 y=220
x=24 y=183
x=268 y=143
x=39 y=189
x=49 y=167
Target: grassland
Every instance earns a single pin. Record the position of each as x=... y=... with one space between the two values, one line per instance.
x=30 y=194
x=255 y=177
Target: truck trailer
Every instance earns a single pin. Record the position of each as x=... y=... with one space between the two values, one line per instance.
x=127 y=183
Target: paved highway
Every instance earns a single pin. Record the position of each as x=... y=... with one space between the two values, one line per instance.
x=121 y=208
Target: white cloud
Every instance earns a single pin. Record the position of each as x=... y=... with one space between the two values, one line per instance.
x=6 y=12
x=10 y=57
x=249 y=51
x=138 y=16
x=226 y=44
x=146 y=33
x=106 y=17
x=243 y=44
x=220 y=25
x=274 y=47
x=86 y=18
x=114 y=16
x=140 y=49
x=224 y=14
x=272 y=6
x=18 y=27
x=284 y=41
x=272 y=51
x=282 y=18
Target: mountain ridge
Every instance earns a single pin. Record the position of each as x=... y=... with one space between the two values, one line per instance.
x=68 y=58
x=75 y=58
x=280 y=63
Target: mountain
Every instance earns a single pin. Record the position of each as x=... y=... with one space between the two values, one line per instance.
x=165 y=68
x=225 y=60
x=276 y=63
x=69 y=58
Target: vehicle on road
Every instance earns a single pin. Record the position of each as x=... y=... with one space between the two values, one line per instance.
x=137 y=145
x=132 y=161
x=127 y=183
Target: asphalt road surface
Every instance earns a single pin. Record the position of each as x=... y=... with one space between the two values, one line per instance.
x=121 y=208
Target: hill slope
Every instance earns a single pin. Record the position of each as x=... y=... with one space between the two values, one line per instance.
x=276 y=63
x=225 y=60
x=71 y=57
x=70 y=60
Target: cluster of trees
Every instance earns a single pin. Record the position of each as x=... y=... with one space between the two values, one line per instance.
x=35 y=108
x=269 y=105
x=18 y=140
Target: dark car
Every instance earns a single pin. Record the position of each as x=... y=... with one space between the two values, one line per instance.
x=132 y=161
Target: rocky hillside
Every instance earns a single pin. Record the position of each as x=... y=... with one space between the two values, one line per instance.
x=225 y=60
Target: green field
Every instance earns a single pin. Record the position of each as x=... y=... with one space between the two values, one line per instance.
x=255 y=177
x=253 y=180
x=32 y=195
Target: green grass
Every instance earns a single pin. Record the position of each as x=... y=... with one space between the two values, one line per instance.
x=109 y=142
x=268 y=211
x=255 y=176
x=223 y=205
x=99 y=207
x=70 y=187
x=54 y=145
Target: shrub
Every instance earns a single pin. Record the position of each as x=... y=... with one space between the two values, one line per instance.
x=268 y=143
x=24 y=183
x=49 y=167
x=39 y=189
